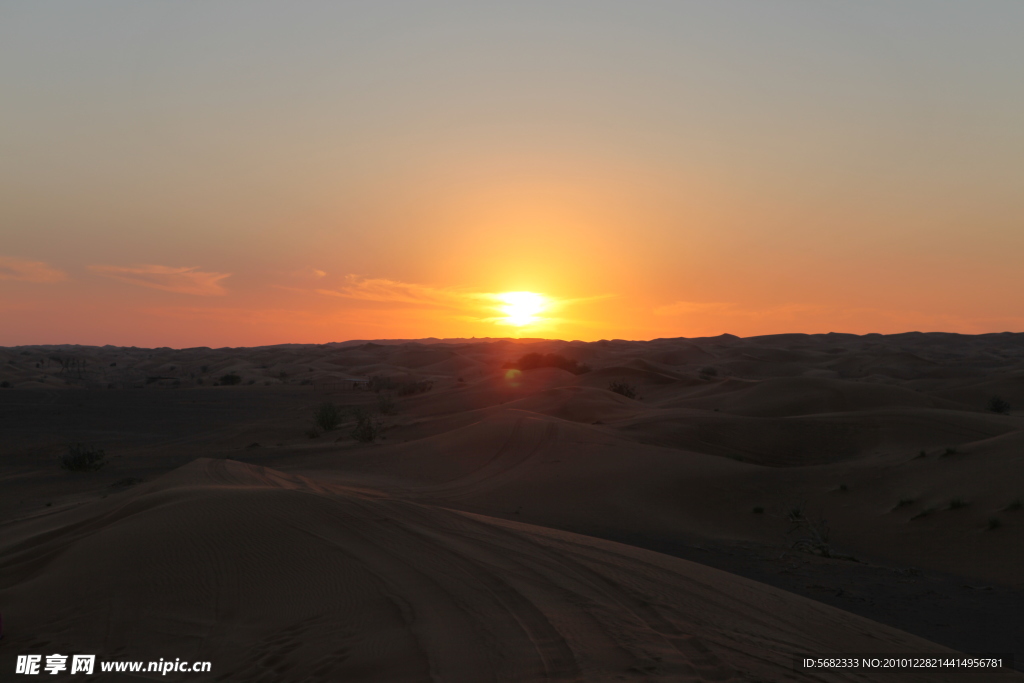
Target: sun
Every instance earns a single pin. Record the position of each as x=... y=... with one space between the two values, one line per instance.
x=521 y=308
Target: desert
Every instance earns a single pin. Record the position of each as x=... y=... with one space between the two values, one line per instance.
x=674 y=510
x=514 y=341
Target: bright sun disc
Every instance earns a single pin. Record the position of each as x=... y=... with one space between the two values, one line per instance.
x=521 y=308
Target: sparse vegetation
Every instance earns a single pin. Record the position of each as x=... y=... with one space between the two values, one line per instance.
x=368 y=426
x=313 y=433
x=411 y=388
x=548 y=360
x=844 y=488
x=380 y=383
x=957 y=503
x=230 y=379
x=994 y=524
x=816 y=533
x=904 y=502
x=758 y=510
x=997 y=405
x=327 y=416
x=1015 y=505
x=624 y=388
x=708 y=372
x=125 y=483
x=922 y=513
x=950 y=450
x=81 y=457
x=5 y=385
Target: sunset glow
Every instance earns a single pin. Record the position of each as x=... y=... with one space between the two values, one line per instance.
x=405 y=170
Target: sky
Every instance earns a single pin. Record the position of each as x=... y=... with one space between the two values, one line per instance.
x=241 y=173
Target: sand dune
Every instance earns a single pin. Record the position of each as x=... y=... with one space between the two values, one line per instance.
x=384 y=590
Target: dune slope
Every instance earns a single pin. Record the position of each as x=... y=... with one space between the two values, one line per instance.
x=277 y=577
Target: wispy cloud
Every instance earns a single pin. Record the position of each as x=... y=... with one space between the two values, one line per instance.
x=168 y=278
x=392 y=291
x=462 y=304
x=28 y=271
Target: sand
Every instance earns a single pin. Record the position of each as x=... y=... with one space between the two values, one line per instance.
x=530 y=526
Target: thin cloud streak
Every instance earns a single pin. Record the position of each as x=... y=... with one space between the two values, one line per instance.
x=167 y=278
x=24 y=270
x=479 y=307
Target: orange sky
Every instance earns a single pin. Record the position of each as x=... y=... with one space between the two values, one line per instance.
x=257 y=173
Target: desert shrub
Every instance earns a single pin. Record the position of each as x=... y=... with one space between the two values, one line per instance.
x=951 y=450
x=904 y=502
x=386 y=404
x=844 y=488
x=708 y=372
x=327 y=416
x=994 y=524
x=815 y=538
x=230 y=379
x=5 y=385
x=125 y=483
x=957 y=503
x=368 y=427
x=411 y=388
x=758 y=510
x=548 y=360
x=997 y=405
x=379 y=383
x=81 y=457
x=1015 y=505
x=624 y=388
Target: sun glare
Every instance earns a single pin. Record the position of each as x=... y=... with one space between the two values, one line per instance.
x=521 y=308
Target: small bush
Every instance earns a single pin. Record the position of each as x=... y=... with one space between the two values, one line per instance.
x=313 y=433
x=378 y=383
x=368 y=427
x=904 y=502
x=844 y=488
x=708 y=372
x=548 y=360
x=624 y=388
x=125 y=483
x=997 y=405
x=327 y=417
x=1015 y=505
x=951 y=450
x=994 y=524
x=411 y=388
x=957 y=503
x=83 y=458
x=5 y=385
x=758 y=510
x=230 y=379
